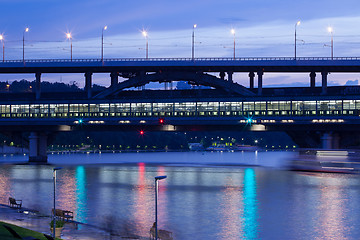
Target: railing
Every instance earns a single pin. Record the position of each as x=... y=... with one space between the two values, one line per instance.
x=183 y=59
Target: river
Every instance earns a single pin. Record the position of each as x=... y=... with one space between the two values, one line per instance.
x=206 y=195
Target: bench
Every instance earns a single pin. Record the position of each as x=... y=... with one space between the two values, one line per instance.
x=63 y=214
x=15 y=203
x=162 y=234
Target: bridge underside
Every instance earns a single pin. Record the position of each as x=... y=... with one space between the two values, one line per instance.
x=193 y=78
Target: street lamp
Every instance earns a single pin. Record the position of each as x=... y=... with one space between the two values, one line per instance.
x=156 y=201
x=54 y=213
x=26 y=30
x=68 y=36
x=233 y=33
x=145 y=34
x=102 y=43
x=193 y=42
x=331 y=31
x=296 y=24
x=3 y=46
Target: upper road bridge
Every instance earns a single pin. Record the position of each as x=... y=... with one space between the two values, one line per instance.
x=213 y=72
x=328 y=112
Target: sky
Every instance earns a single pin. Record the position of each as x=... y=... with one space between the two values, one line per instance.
x=262 y=28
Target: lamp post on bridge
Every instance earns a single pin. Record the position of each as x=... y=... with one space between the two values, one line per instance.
x=23 y=40
x=68 y=36
x=156 y=203
x=296 y=24
x=102 y=43
x=233 y=33
x=3 y=46
x=331 y=31
x=145 y=34
x=193 y=42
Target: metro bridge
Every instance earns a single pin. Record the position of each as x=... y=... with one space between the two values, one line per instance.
x=304 y=113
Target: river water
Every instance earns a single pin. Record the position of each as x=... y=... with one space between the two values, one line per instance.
x=206 y=195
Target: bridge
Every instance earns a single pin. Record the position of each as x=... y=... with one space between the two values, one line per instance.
x=304 y=113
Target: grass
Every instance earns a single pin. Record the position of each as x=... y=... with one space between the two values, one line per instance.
x=23 y=232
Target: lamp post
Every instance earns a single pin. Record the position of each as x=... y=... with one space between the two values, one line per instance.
x=68 y=35
x=156 y=202
x=102 y=43
x=54 y=213
x=331 y=31
x=233 y=33
x=296 y=24
x=26 y=30
x=193 y=42
x=145 y=34
x=3 y=46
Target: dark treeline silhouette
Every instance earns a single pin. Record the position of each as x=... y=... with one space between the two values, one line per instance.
x=29 y=86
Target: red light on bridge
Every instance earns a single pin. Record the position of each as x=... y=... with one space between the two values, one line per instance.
x=141 y=132
x=161 y=121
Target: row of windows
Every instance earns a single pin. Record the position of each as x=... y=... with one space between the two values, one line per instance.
x=328 y=107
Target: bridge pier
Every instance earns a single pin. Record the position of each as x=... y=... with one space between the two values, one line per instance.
x=230 y=77
x=88 y=83
x=312 y=79
x=260 y=75
x=330 y=141
x=324 y=82
x=251 y=78
x=38 y=148
x=222 y=75
x=37 y=85
x=114 y=79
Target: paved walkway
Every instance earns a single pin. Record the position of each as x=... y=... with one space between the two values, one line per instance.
x=40 y=223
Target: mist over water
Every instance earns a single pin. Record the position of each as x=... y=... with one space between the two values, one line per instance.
x=229 y=195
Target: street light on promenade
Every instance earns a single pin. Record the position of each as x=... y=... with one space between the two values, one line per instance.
x=156 y=203
x=193 y=42
x=68 y=36
x=54 y=213
x=3 y=46
x=233 y=33
x=25 y=31
x=102 y=43
x=331 y=31
x=145 y=34
x=296 y=24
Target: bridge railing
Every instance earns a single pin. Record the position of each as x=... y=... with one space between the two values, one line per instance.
x=183 y=59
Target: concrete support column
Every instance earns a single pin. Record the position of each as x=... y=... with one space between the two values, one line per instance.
x=326 y=140
x=336 y=141
x=324 y=82
x=88 y=83
x=251 y=78
x=260 y=76
x=38 y=85
x=38 y=148
x=114 y=79
x=312 y=79
x=222 y=75
x=230 y=77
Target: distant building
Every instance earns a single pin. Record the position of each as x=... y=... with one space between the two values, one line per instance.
x=184 y=85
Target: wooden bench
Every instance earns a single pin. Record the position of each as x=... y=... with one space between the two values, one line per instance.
x=63 y=214
x=15 y=203
x=162 y=234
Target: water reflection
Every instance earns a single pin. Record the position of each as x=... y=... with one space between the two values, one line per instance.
x=232 y=208
x=198 y=202
x=250 y=217
x=81 y=198
x=142 y=207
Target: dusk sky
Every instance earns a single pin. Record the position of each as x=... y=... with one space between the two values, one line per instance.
x=263 y=28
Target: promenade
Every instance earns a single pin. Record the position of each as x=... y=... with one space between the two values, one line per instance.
x=40 y=223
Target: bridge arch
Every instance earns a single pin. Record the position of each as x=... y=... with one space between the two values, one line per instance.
x=196 y=78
